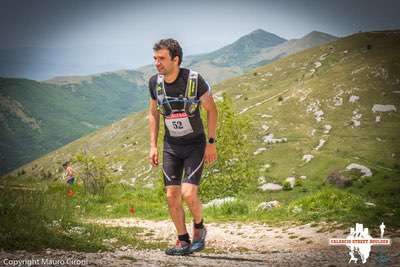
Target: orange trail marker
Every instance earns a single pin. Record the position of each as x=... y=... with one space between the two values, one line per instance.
x=132 y=210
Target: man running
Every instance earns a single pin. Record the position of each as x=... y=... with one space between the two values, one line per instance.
x=69 y=173
x=175 y=93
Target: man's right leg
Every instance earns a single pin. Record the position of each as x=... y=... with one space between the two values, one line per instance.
x=174 y=198
x=173 y=169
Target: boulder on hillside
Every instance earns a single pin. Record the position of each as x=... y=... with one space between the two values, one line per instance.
x=219 y=202
x=268 y=205
x=270 y=187
x=364 y=170
x=291 y=180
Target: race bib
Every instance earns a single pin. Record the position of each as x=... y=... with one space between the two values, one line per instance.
x=178 y=124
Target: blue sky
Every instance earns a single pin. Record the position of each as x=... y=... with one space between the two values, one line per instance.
x=200 y=26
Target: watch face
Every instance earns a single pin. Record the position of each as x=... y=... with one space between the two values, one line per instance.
x=211 y=141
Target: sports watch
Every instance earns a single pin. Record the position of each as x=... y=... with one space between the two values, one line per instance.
x=211 y=140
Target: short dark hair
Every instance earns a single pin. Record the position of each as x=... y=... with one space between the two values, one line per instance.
x=66 y=164
x=173 y=47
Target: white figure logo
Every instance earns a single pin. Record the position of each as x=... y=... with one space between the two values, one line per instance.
x=360 y=241
x=382 y=227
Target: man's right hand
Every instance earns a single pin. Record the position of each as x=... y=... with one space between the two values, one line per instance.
x=153 y=157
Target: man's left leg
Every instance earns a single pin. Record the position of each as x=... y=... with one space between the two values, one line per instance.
x=193 y=167
x=190 y=196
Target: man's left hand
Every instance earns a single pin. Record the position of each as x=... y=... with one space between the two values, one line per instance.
x=210 y=155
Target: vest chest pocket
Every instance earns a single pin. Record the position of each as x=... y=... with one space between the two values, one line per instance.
x=178 y=124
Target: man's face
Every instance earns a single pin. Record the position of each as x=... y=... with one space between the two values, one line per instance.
x=163 y=61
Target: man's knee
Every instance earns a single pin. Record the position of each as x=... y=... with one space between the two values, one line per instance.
x=174 y=194
x=189 y=194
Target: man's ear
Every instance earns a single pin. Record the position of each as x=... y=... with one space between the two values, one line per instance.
x=176 y=59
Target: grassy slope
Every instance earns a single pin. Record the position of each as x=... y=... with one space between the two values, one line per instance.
x=63 y=113
x=344 y=145
x=291 y=120
x=42 y=216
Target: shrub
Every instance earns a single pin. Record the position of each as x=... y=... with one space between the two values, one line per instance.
x=94 y=172
x=234 y=171
x=298 y=182
x=337 y=179
x=287 y=186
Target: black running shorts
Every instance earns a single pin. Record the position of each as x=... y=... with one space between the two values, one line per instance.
x=183 y=163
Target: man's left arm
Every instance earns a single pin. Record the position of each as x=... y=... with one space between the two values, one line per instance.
x=208 y=104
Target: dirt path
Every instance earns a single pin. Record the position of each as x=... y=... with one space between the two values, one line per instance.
x=236 y=236
x=229 y=244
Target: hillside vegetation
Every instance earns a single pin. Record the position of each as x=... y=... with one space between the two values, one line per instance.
x=42 y=116
x=304 y=117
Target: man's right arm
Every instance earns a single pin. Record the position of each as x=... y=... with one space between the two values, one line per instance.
x=70 y=172
x=154 y=123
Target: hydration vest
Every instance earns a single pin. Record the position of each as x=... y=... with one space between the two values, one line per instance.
x=190 y=101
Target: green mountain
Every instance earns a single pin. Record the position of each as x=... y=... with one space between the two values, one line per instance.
x=270 y=54
x=41 y=116
x=310 y=113
x=252 y=50
x=38 y=117
x=237 y=53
